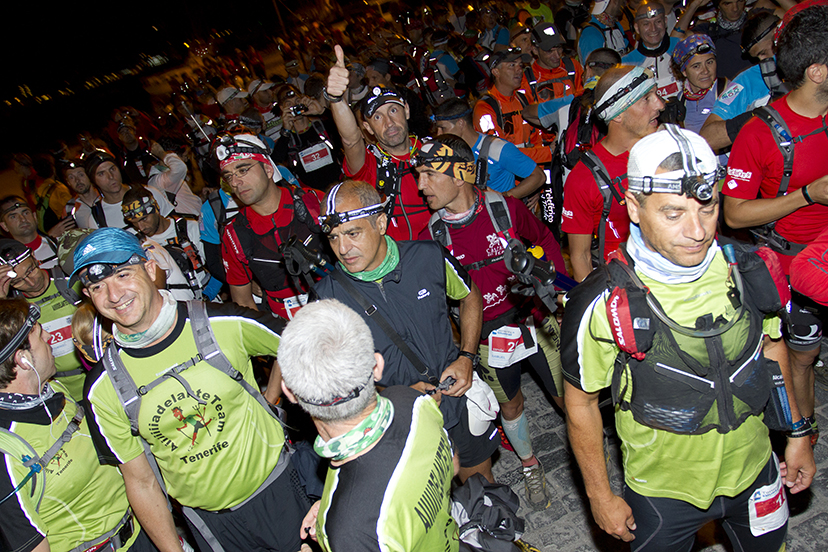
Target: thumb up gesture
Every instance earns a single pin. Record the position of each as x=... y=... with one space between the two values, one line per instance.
x=338 y=75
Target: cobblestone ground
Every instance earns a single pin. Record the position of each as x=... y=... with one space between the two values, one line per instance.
x=567 y=524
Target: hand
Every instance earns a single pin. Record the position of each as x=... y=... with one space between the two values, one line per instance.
x=799 y=468
x=65 y=224
x=308 y=528
x=287 y=119
x=614 y=516
x=158 y=151
x=338 y=75
x=423 y=387
x=818 y=190
x=314 y=106
x=461 y=370
x=5 y=280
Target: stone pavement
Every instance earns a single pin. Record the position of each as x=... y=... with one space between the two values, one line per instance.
x=567 y=524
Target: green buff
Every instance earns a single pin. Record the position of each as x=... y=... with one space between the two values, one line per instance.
x=361 y=437
x=389 y=263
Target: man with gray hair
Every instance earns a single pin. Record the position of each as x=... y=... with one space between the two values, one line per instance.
x=593 y=209
x=329 y=368
x=685 y=330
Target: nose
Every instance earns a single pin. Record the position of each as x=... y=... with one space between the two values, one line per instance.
x=113 y=290
x=693 y=228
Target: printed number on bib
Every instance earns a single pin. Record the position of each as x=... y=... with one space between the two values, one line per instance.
x=315 y=157
x=768 y=507
x=61 y=336
x=506 y=346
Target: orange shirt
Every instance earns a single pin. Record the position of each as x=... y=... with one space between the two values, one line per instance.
x=561 y=83
x=514 y=129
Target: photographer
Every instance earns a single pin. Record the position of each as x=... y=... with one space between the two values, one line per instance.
x=309 y=145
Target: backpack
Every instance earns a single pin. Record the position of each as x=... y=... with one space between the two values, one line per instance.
x=533 y=82
x=607 y=34
x=583 y=130
x=62 y=285
x=610 y=189
x=493 y=103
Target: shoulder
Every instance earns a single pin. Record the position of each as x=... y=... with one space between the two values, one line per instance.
x=232 y=313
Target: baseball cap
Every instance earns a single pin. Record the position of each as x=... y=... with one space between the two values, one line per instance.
x=66 y=247
x=507 y=56
x=227 y=94
x=546 y=36
x=379 y=96
x=258 y=84
x=517 y=30
x=600 y=6
x=700 y=167
x=106 y=246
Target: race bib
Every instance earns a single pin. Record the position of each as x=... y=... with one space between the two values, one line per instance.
x=506 y=346
x=768 y=507
x=61 y=336
x=315 y=157
x=293 y=304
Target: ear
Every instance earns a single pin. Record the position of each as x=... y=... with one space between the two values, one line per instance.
x=378 y=369
x=633 y=207
x=86 y=292
x=817 y=73
x=635 y=26
x=288 y=394
x=19 y=355
x=407 y=110
x=150 y=266
x=268 y=169
x=382 y=223
x=4 y=227
x=368 y=128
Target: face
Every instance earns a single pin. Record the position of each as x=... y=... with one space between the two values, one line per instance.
x=524 y=42
x=374 y=77
x=488 y=19
x=41 y=351
x=356 y=244
x=439 y=189
x=641 y=118
x=389 y=124
x=126 y=134
x=448 y=127
x=732 y=9
x=292 y=70
x=263 y=97
x=77 y=180
x=234 y=106
x=508 y=73
x=763 y=49
x=679 y=228
x=20 y=222
x=128 y=297
x=147 y=224
x=249 y=179
x=108 y=178
x=651 y=30
x=701 y=71
x=550 y=58
x=30 y=279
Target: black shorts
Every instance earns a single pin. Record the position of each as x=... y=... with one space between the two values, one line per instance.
x=270 y=521
x=804 y=332
x=473 y=449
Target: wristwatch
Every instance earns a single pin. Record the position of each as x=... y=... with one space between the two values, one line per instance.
x=475 y=359
x=332 y=99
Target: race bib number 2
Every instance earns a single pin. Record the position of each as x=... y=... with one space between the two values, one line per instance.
x=506 y=346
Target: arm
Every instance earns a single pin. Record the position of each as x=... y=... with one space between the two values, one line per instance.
x=149 y=504
x=352 y=141
x=243 y=295
x=530 y=114
x=714 y=130
x=471 y=321
x=580 y=253
x=680 y=30
x=274 y=384
x=528 y=185
x=744 y=213
x=799 y=468
x=585 y=429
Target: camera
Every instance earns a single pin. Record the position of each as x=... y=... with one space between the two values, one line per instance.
x=297 y=110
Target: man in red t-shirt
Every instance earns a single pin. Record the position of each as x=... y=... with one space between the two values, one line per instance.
x=506 y=121
x=271 y=214
x=447 y=172
x=628 y=102
x=386 y=164
x=755 y=171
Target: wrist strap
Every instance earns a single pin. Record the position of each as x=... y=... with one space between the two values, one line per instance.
x=806 y=195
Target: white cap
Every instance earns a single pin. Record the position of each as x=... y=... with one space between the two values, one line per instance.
x=600 y=6
x=227 y=94
x=482 y=406
x=257 y=84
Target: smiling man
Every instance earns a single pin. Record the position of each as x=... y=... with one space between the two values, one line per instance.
x=593 y=210
x=687 y=334
x=401 y=290
x=193 y=417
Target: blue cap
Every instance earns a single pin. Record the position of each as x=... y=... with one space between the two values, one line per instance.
x=105 y=246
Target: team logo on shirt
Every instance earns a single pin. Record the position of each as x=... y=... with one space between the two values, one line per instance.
x=739 y=173
x=729 y=94
x=193 y=423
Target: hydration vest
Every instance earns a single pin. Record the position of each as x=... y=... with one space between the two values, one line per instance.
x=610 y=189
x=62 y=284
x=538 y=87
x=682 y=380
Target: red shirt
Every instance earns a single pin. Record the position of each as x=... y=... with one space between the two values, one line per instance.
x=409 y=201
x=479 y=241
x=755 y=170
x=583 y=202
x=514 y=130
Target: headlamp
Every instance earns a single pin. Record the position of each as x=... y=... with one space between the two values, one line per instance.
x=226 y=144
x=139 y=208
x=96 y=272
x=12 y=346
x=333 y=218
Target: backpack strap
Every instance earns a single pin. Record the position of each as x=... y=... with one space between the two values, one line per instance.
x=493 y=103
x=62 y=285
x=98 y=214
x=784 y=141
x=609 y=188
x=219 y=210
x=532 y=80
x=482 y=164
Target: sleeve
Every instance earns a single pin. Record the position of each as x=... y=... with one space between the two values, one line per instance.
x=531 y=228
x=579 y=78
x=112 y=422
x=367 y=172
x=235 y=261
x=21 y=529
x=449 y=66
x=287 y=175
x=161 y=198
x=194 y=233
x=502 y=37
x=548 y=110
x=809 y=270
x=590 y=39
x=171 y=180
x=735 y=99
x=588 y=350
x=458 y=280
x=582 y=202
x=747 y=165
x=160 y=255
x=485 y=120
x=515 y=161
x=208 y=225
